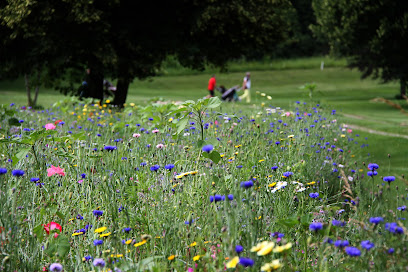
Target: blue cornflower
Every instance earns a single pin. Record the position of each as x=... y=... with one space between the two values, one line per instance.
x=376 y=220
x=314 y=195
x=99 y=262
x=121 y=208
x=97 y=213
x=277 y=142
x=208 y=148
x=372 y=166
x=34 y=179
x=274 y=168
x=211 y=199
x=367 y=244
x=239 y=166
x=110 y=147
x=99 y=135
x=372 y=173
x=150 y=119
x=338 y=223
x=390 y=251
x=316 y=226
x=124 y=158
x=247 y=184
x=169 y=166
x=394 y=228
x=230 y=197
x=3 y=171
x=402 y=208
x=83 y=175
x=246 y=262
x=341 y=243
x=80 y=217
x=143 y=164
x=389 y=179
x=218 y=198
x=239 y=249
x=126 y=229
x=155 y=168
x=353 y=251
x=287 y=174
x=97 y=242
x=56 y=267
x=17 y=173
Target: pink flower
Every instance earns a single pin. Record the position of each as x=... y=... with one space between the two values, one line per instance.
x=287 y=113
x=136 y=135
x=160 y=146
x=349 y=130
x=80 y=181
x=49 y=126
x=155 y=131
x=55 y=170
x=52 y=226
x=190 y=269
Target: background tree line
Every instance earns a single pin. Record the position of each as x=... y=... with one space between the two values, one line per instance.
x=52 y=43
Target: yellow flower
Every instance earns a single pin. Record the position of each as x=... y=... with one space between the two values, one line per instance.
x=272 y=184
x=116 y=256
x=77 y=233
x=238 y=146
x=311 y=183
x=132 y=104
x=266 y=249
x=100 y=230
x=206 y=242
x=291 y=136
x=275 y=264
x=196 y=258
x=269 y=97
x=170 y=258
x=107 y=101
x=280 y=249
x=233 y=263
x=140 y=243
x=171 y=119
x=259 y=246
x=193 y=244
x=261 y=160
x=128 y=241
x=105 y=234
x=342 y=135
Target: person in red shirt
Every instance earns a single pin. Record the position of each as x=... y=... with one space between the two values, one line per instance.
x=211 y=86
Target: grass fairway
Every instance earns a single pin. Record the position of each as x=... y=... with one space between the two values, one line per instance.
x=337 y=88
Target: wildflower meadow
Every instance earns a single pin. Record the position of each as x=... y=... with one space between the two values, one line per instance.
x=194 y=186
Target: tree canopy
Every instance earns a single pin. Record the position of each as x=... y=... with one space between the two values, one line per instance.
x=373 y=34
x=123 y=40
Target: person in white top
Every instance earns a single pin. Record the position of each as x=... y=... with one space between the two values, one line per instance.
x=246 y=86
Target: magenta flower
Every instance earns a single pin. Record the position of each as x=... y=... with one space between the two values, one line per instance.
x=49 y=126
x=55 y=170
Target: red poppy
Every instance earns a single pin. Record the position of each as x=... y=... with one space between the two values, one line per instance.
x=52 y=226
x=58 y=121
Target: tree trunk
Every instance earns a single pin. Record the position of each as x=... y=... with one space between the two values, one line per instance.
x=121 y=92
x=403 y=87
x=27 y=85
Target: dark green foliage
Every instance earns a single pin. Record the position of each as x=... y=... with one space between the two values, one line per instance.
x=123 y=40
x=373 y=34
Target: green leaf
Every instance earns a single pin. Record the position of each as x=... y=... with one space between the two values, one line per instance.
x=215 y=156
x=200 y=143
x=63 y=245
x=289 y=221
x=214 y=102
x=51 y=249
x=306 y=219
x=39 y=231
x=206 y=155
x=182 y=125
x=60 y=215
x=14 y=122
